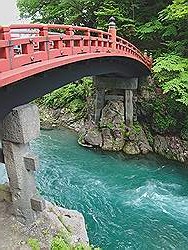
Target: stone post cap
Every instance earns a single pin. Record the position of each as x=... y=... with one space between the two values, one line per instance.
x=112 y=22
x=22 y=124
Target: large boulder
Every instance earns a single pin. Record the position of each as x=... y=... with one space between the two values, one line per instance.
x=53 y=221
x=109 y=135
x=93 y=137
x=136 y=141
x=143 y=143
x=112 y=114
x=107 y=139
x=112 y=126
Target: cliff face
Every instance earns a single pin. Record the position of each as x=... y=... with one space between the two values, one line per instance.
x=161 y=125
x=165 y=122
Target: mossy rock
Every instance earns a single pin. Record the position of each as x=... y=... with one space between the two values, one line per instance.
x=5 y=194
x=131 y=148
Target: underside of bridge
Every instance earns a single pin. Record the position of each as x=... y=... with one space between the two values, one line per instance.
x=28 y=89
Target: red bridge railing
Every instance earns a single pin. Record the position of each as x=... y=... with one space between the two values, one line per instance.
x=24 y=44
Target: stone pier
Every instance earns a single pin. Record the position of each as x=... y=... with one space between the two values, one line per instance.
x=99 y=103
x=128 y=107
x=115 y=88
x=19 y=127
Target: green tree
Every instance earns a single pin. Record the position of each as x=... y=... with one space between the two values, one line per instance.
x=160 y=26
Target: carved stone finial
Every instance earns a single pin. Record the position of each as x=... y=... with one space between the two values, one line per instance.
x=112 y=22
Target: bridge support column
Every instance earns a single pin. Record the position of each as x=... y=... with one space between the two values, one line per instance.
x=99 y=104
x=19 y=127
x=99 y=101
x=128 y=107
x=118 y=84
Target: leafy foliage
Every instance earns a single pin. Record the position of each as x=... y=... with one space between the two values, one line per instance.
x=184 y=130
x=160 y=26
x=165 y=115
x=34 y=244
x=73 y=96
x=167 y=31
x=149 y=29
x=59 y=243
x=124 y=23
x=172 y=73
x=163 y=122
x=178 y=10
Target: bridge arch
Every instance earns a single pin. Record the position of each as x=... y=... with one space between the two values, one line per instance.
x=36 y=59
x=37 y=85
x=38 y=62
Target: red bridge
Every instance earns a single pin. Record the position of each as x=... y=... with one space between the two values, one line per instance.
x=36 y=59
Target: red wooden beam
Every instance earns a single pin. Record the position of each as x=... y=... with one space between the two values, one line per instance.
x=27 y=49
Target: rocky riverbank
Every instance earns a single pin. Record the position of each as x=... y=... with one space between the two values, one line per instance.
x=55 y=226
x=156 y=128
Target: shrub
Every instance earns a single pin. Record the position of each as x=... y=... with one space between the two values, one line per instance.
x=73 y=96
x=171 y=70
x=34 y=244
x=163 y=122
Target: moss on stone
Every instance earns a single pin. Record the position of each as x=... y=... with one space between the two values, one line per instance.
x=34 y=243
x=5 y=194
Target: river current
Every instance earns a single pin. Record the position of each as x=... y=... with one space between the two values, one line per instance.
x=128 y=202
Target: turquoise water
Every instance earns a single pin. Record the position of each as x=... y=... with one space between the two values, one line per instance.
x=128 y=203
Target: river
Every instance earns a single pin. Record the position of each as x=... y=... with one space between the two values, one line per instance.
x=128 y=202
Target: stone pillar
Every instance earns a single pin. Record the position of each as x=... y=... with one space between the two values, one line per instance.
x=129 y=107
x=99 y=103
x=114 y=85
x=134 y=106
x=100 y=98
x=19 y=127
x=1 y=150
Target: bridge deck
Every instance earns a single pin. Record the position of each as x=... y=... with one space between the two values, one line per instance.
x=28 y=49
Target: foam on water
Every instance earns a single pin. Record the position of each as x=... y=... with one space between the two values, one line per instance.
x=159 y=196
